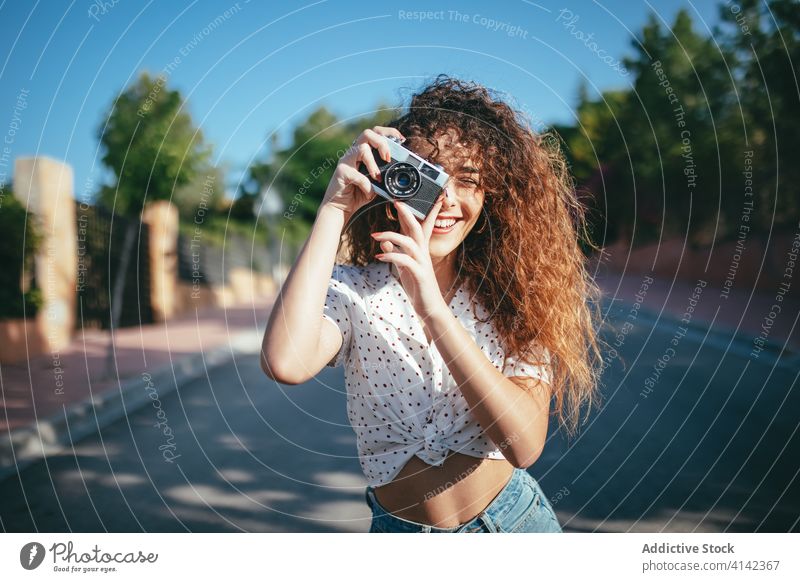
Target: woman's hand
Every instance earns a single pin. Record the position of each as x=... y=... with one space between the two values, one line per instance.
x=349 y=189
x=414 y=262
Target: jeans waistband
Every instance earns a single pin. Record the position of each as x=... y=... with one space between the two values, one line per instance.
x=491 y=514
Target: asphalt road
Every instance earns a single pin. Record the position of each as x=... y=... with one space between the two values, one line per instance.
x=709 y=443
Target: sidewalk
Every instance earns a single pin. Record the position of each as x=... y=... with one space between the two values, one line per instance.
x=740 y=315
x=53 y=399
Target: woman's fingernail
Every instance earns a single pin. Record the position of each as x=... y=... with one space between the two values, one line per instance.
x=379 y=256
x=374 y=234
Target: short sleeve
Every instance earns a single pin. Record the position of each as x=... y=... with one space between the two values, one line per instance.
x=539 y=366
x=338 y=308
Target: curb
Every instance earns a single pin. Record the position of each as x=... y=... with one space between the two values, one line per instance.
x=60 y=431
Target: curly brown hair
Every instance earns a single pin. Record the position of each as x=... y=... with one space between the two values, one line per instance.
x=526 y=267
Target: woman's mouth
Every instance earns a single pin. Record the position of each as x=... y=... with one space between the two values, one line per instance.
x=444 y=225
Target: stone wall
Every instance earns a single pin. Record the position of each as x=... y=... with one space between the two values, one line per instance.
x=45 y=187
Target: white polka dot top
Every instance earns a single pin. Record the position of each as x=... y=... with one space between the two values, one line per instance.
x=401 y=399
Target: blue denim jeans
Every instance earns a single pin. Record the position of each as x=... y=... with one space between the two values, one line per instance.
x=521 y=506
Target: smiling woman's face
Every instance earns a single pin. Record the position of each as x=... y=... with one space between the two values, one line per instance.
x=463 y=202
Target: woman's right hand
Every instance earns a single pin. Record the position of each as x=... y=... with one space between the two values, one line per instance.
x=349 y=189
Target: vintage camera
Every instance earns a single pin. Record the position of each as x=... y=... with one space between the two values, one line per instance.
x=407 y=177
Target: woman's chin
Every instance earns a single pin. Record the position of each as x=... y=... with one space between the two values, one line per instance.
x=441 y=248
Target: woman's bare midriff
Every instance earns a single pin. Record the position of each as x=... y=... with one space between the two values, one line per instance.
x=451 y=494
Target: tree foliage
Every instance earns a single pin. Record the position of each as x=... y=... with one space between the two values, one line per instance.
x=667 y=157
x=19 y=294
x=300 y=171
x=151 y=145
x=765 y=39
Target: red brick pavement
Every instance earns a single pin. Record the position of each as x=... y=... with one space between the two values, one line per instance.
x=41 y=386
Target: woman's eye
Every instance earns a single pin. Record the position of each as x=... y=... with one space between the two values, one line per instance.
x=468 y=181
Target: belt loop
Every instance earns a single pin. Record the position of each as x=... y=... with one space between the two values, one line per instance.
x=488 y=522
x=368 y=495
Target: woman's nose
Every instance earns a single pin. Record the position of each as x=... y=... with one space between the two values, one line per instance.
x=449 y=196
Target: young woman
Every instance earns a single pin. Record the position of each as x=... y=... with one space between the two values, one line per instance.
x=456 y=332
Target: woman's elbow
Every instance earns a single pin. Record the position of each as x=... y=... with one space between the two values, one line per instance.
x=273 y=369
x=522 y=458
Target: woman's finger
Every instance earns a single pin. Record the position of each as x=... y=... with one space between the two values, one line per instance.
x=376 y=138
x=378 y=142
x=409 y=223
x=399 y=259
x=389 y=131
x=406 y=243
x=365 y=155
x=428 y=223
x=353 y=176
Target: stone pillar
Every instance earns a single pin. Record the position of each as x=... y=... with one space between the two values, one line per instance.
x=45 y=188
x=161 y=217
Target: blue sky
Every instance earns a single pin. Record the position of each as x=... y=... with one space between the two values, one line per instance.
x=251 y=68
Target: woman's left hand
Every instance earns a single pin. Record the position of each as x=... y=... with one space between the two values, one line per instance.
x=414 y=262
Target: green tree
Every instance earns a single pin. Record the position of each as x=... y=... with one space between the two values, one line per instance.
x=678 y=151
x=151 y=145
x=599 y=160
x=659 y=159
x=300 y=172
x=765 y=37
x=19 y=295
x=204 y=192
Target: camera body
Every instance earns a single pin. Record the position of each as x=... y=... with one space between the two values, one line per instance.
x=407 y=177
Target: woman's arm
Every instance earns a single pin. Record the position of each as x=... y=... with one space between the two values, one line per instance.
x=296 y=346
x=297 y=343
x=513 y=411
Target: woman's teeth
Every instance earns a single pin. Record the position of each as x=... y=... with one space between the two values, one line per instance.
x=445 y=223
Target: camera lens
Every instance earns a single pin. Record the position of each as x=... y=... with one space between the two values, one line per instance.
x=402 y=180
